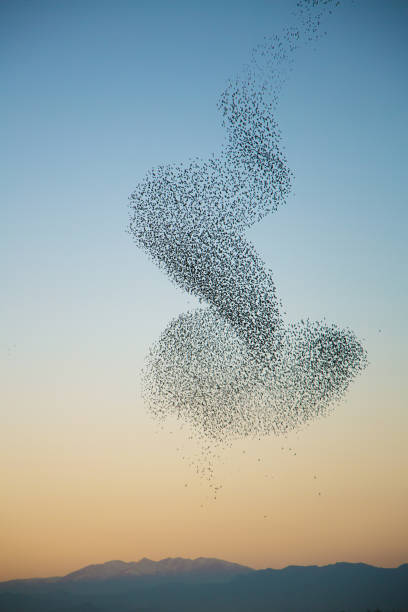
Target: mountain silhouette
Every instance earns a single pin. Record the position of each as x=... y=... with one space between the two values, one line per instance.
x=201 y=567
x=183 y=585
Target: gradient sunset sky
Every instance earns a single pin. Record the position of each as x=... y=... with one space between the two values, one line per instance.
x=94 y=93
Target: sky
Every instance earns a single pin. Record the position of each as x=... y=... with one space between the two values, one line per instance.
x=94 y=94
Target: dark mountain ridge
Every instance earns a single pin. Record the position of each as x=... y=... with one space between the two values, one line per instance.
x=182 y=585
x=166 y=567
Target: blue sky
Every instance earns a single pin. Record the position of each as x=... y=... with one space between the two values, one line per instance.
x=94 y=94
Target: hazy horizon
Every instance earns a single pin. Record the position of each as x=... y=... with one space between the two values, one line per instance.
x=111 y=561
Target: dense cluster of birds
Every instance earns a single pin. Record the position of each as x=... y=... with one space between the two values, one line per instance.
x=202 y=371
x=234 y=368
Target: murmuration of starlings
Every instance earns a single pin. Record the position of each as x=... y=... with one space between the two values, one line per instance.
x=234 y=368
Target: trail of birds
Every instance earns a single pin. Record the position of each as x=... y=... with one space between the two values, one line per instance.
x=233 y=368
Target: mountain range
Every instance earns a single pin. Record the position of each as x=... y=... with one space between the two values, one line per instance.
x=207 y=584
x=199 y=568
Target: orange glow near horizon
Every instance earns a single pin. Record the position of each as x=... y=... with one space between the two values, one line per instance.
x=82 y=493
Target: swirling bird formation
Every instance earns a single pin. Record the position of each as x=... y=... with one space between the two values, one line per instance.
x=234 y=368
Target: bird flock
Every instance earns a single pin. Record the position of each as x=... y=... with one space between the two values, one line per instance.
x=234 y=368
